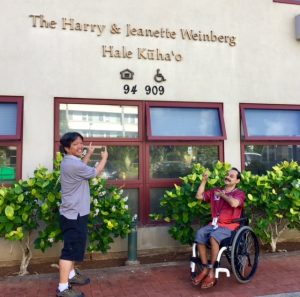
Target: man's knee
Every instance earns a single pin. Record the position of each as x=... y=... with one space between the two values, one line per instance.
x=200 y=232
x=214 y=241
x=201 y=236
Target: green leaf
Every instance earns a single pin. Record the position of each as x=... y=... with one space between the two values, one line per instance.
x=51 y=197
x=212 y=181
x=185 y=217
x=250 y=197
x=9 y=212
x=192 y=204
x=17 y=220
x=20 y=198
x=45 y=207
x=293 y=212
x=24 y=217
x=18 y=189
x=3 y=219
x=31 y=182
x=8 y=227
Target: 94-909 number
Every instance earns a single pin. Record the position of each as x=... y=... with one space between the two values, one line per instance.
x=149 y=90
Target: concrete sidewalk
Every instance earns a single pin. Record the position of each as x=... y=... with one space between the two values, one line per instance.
x=277 y=274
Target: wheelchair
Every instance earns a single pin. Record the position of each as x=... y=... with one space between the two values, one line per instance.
x=241 y=251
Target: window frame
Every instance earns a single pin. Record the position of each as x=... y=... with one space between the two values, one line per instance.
x=156 y=181
x=263 y=140
x=143 y=184
x=245 y=106
x=17 y=139
x=19 y=102
x=218 y=106
x=62 y=100
x=151 y=183
x=116 y=182
x=19 y=146
x=288 y=1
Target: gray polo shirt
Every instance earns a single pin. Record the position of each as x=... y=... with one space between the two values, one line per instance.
x=75 y=188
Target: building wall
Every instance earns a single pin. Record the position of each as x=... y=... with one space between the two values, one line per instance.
x=41 y=63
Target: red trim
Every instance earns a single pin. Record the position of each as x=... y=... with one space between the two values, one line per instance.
x=243 y=156
x=151 y=183
x=244 y=106
x=143 y=183
x=218 y=106
x=265 y=142
x=271 y=142
x=19 y=126
x=19 y=160
x=270 y=138
x=288 y=1
x=141 y=205
x=15 y=140
x=118 y=182
x=270 y=106
x=60 y=100
x=166 y=181
x=18 y=145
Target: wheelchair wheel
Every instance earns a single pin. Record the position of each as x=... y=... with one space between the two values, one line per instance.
x=244 y=254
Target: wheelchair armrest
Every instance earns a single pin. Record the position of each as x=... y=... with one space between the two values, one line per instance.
x=244 y=221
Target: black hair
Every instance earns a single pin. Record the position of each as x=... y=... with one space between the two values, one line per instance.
x=67 y=139
x=238 y=176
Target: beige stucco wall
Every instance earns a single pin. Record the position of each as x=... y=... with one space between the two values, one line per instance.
x=43 y=63
x=147 y=239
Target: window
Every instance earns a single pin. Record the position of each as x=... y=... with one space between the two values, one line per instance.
x=107 y=120
x=123 y=163
x=270 y=135
x=297 y=2
x=185 y=121
x=11 y=114
x=172 y=161
x=145 y=164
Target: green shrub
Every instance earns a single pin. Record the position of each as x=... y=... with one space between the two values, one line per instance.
x=183 y=209
x=272 y=204
x=34 y=204
x=18 y=218
x=109 y=216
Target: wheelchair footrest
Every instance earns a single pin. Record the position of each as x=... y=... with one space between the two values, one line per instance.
x=222 y=270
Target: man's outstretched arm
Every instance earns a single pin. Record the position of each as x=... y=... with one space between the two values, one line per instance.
x=201 y=189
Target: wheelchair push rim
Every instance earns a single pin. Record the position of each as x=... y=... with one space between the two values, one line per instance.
x=244 y=254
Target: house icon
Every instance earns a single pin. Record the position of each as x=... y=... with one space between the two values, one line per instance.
x=126 y=74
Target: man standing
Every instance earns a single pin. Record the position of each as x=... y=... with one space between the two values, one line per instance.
x=74 y=210
x=226 y=205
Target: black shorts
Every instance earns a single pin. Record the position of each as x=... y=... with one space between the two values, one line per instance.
x=74 y=236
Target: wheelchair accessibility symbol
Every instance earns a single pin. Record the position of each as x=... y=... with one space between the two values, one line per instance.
x=158 y=77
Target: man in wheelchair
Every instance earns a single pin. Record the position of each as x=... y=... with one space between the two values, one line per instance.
x=226 y=206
